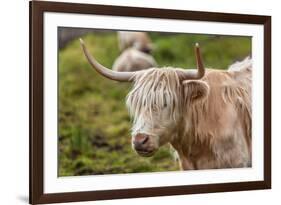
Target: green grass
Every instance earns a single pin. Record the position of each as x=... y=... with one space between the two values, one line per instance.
x=94 y=125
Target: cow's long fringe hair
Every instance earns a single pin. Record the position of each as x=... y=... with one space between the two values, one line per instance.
x=153 y=90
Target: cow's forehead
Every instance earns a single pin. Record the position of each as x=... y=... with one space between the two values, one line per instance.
x=157 y=75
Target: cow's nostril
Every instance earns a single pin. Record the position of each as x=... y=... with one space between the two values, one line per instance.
x=145 y=140
x=140 y=140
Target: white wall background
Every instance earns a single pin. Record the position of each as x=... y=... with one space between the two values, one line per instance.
x=14 y=101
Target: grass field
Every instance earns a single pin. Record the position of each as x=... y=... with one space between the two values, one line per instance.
x=94 y=125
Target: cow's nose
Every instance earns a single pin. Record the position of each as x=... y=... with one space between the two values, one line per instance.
x=140 y=141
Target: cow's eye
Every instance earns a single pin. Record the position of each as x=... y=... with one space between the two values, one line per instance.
x=165 y=102
x=154 y=107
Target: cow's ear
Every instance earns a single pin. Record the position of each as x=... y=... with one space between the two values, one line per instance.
x=195 y=90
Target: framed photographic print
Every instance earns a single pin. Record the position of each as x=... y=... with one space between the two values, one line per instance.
x=138 y=102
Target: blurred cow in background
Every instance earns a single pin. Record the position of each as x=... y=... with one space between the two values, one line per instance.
x=136 y=48
x=137 y=40
x=204 y=114
x=133 y=60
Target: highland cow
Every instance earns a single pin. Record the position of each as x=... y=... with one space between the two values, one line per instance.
x=205 y=114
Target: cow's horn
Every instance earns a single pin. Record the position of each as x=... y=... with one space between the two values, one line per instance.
x=200 y=72
x=108 y=73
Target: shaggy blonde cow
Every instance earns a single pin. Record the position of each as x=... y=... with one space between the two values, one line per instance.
x=204 y=114
x=133 y=60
